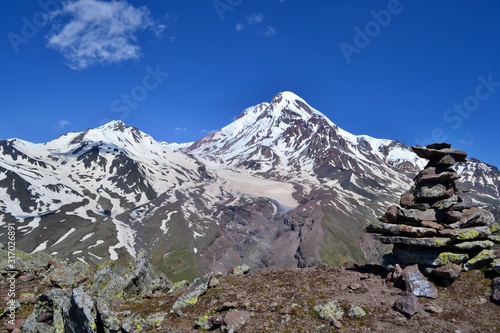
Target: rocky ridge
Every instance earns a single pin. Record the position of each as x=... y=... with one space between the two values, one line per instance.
x=60 y=296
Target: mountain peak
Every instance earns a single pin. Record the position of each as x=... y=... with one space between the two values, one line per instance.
x=114 y=125
x=295 y=107
x=287 y=96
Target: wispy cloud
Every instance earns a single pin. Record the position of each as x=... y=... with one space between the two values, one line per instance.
x=467 y=141
x=270 y=31
x=61 y=124
x=163 y=24
x=180 y=129
x=99 y=32
x=255 y=18
x=239 y=27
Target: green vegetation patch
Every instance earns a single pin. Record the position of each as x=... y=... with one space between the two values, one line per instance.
x=180 y=265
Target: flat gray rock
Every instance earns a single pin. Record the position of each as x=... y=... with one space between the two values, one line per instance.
x=399 y=229
x=416 y=283
x=424 y=241
x=437 y=154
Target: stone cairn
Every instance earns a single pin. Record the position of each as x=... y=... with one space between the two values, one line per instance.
x=436 y=225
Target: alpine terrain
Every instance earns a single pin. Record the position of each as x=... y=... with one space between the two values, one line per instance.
x=282 y=186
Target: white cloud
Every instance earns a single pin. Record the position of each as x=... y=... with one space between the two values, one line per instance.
x=180 y=129
x=240 y=27
x=163 y=24
x=61 y=124
x=99 y=32
x=160 y=29
x=255 y=18
x=270 y=31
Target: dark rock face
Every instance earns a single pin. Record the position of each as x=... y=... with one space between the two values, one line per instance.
x=18 y=187
x=437 y=226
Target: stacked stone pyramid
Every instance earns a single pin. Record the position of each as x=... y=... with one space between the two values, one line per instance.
x=436 y=225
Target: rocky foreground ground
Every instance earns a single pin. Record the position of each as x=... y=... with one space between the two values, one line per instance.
x=56 y=296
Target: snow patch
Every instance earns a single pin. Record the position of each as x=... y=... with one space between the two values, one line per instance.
x=126 y=239
x=40 y=247
x=64 y=236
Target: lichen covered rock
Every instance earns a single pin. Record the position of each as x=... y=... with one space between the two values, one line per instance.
x=330 y=311
x=437 y=224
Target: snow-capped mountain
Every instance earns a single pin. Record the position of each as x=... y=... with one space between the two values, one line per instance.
x=281 y=186
x=287 y=138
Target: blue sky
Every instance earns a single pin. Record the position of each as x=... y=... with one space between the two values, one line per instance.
x=414 y=71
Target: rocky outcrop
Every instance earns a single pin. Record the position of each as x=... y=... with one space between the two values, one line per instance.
x=79 y=297
x=436 y=224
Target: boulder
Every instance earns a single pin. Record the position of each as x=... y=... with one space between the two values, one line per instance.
x=82 y=312
x=407 y=304
x=241 y=269
x=356 y=311
x=48 y=313
x=178 y=286
x=58 y=310
x=481 y=259
x=143 y=277
x=446 y=161
x=62 y=275
x=446 y=203
x=449 y=272
x=234 y=320
x=108 y=318
x=419 y=215
x=192 y=293
x=437 y=154
x=407 y=200
x=391 y=215
x=430 y=191
x=416 y=283
x=108 y=281
x=452 y=216
x=464 y=198
x=436 y=175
